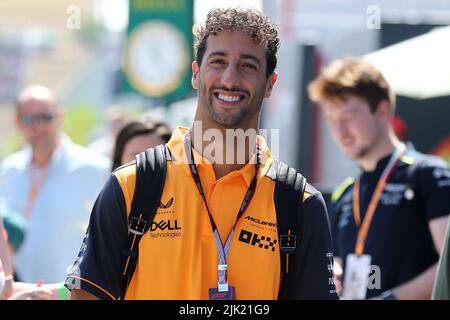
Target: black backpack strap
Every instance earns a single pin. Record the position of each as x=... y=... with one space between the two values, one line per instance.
x=288 y=196
x=150 y=178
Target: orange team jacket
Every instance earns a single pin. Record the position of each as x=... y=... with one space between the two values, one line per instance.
x=178 y=256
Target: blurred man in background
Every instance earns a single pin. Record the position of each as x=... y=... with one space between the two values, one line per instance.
x=53 y=183
x=391 y=219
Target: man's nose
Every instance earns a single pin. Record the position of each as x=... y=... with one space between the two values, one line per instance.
x=38 y=126
x=340 y=130
x=230 y=77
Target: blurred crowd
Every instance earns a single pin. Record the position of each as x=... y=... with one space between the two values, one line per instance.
x=48 y=188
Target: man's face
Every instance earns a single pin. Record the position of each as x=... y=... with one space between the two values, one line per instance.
x=354 y=127
x=231 y=80
x=39 y=121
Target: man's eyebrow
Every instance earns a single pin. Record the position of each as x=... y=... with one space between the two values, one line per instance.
x=216 y=53
x=251 y=57
x=350 y=112
x=243 y=56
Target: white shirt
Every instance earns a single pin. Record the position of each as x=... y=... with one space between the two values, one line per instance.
x=2 y=279
x=60 y=213
x=3 y=248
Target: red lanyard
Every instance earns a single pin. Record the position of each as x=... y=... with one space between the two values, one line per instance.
x=36 y=181
x=223 y=250
x=364 y=227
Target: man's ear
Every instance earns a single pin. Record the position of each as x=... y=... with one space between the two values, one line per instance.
x=195 y=75
x=59 y=115
x=18 y=120
x=270 y=82
x=384 y=109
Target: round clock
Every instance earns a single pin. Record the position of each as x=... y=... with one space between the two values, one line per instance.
x=156 y=58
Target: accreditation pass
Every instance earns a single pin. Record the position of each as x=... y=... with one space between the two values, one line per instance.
x=356 y=276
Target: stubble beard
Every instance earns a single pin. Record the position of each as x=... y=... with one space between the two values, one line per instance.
x=228 y=119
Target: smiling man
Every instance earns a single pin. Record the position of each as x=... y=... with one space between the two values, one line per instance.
x=216 y=233
x=388 y=223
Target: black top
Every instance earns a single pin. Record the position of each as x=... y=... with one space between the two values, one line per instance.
x=399 y=240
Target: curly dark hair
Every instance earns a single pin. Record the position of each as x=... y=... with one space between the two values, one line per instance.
x=249 y=21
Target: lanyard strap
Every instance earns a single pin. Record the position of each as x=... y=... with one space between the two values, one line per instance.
x=223 y=250
x=364 y=227
x=37 y=179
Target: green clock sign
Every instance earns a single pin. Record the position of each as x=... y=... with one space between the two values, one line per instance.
x=157 y=58
x=159 y=48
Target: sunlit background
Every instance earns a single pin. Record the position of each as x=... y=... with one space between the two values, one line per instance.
x=41 y=43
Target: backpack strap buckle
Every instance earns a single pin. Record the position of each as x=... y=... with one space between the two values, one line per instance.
x=137 y=226
x=288 y=242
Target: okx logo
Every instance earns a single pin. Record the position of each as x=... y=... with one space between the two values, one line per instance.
x=256 y=240
x=165 y=225
x=167 y=205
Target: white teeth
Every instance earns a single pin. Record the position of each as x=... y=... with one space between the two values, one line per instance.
x=229 y=98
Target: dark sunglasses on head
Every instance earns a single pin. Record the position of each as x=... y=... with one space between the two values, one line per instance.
x=37 y=118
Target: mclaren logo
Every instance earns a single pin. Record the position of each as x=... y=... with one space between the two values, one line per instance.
x=167 y=205
x=261 y=222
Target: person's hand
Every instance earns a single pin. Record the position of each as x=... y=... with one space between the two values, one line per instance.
x=338 y=284
x=8 y=289
x=337 y=272
x=32 y=293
